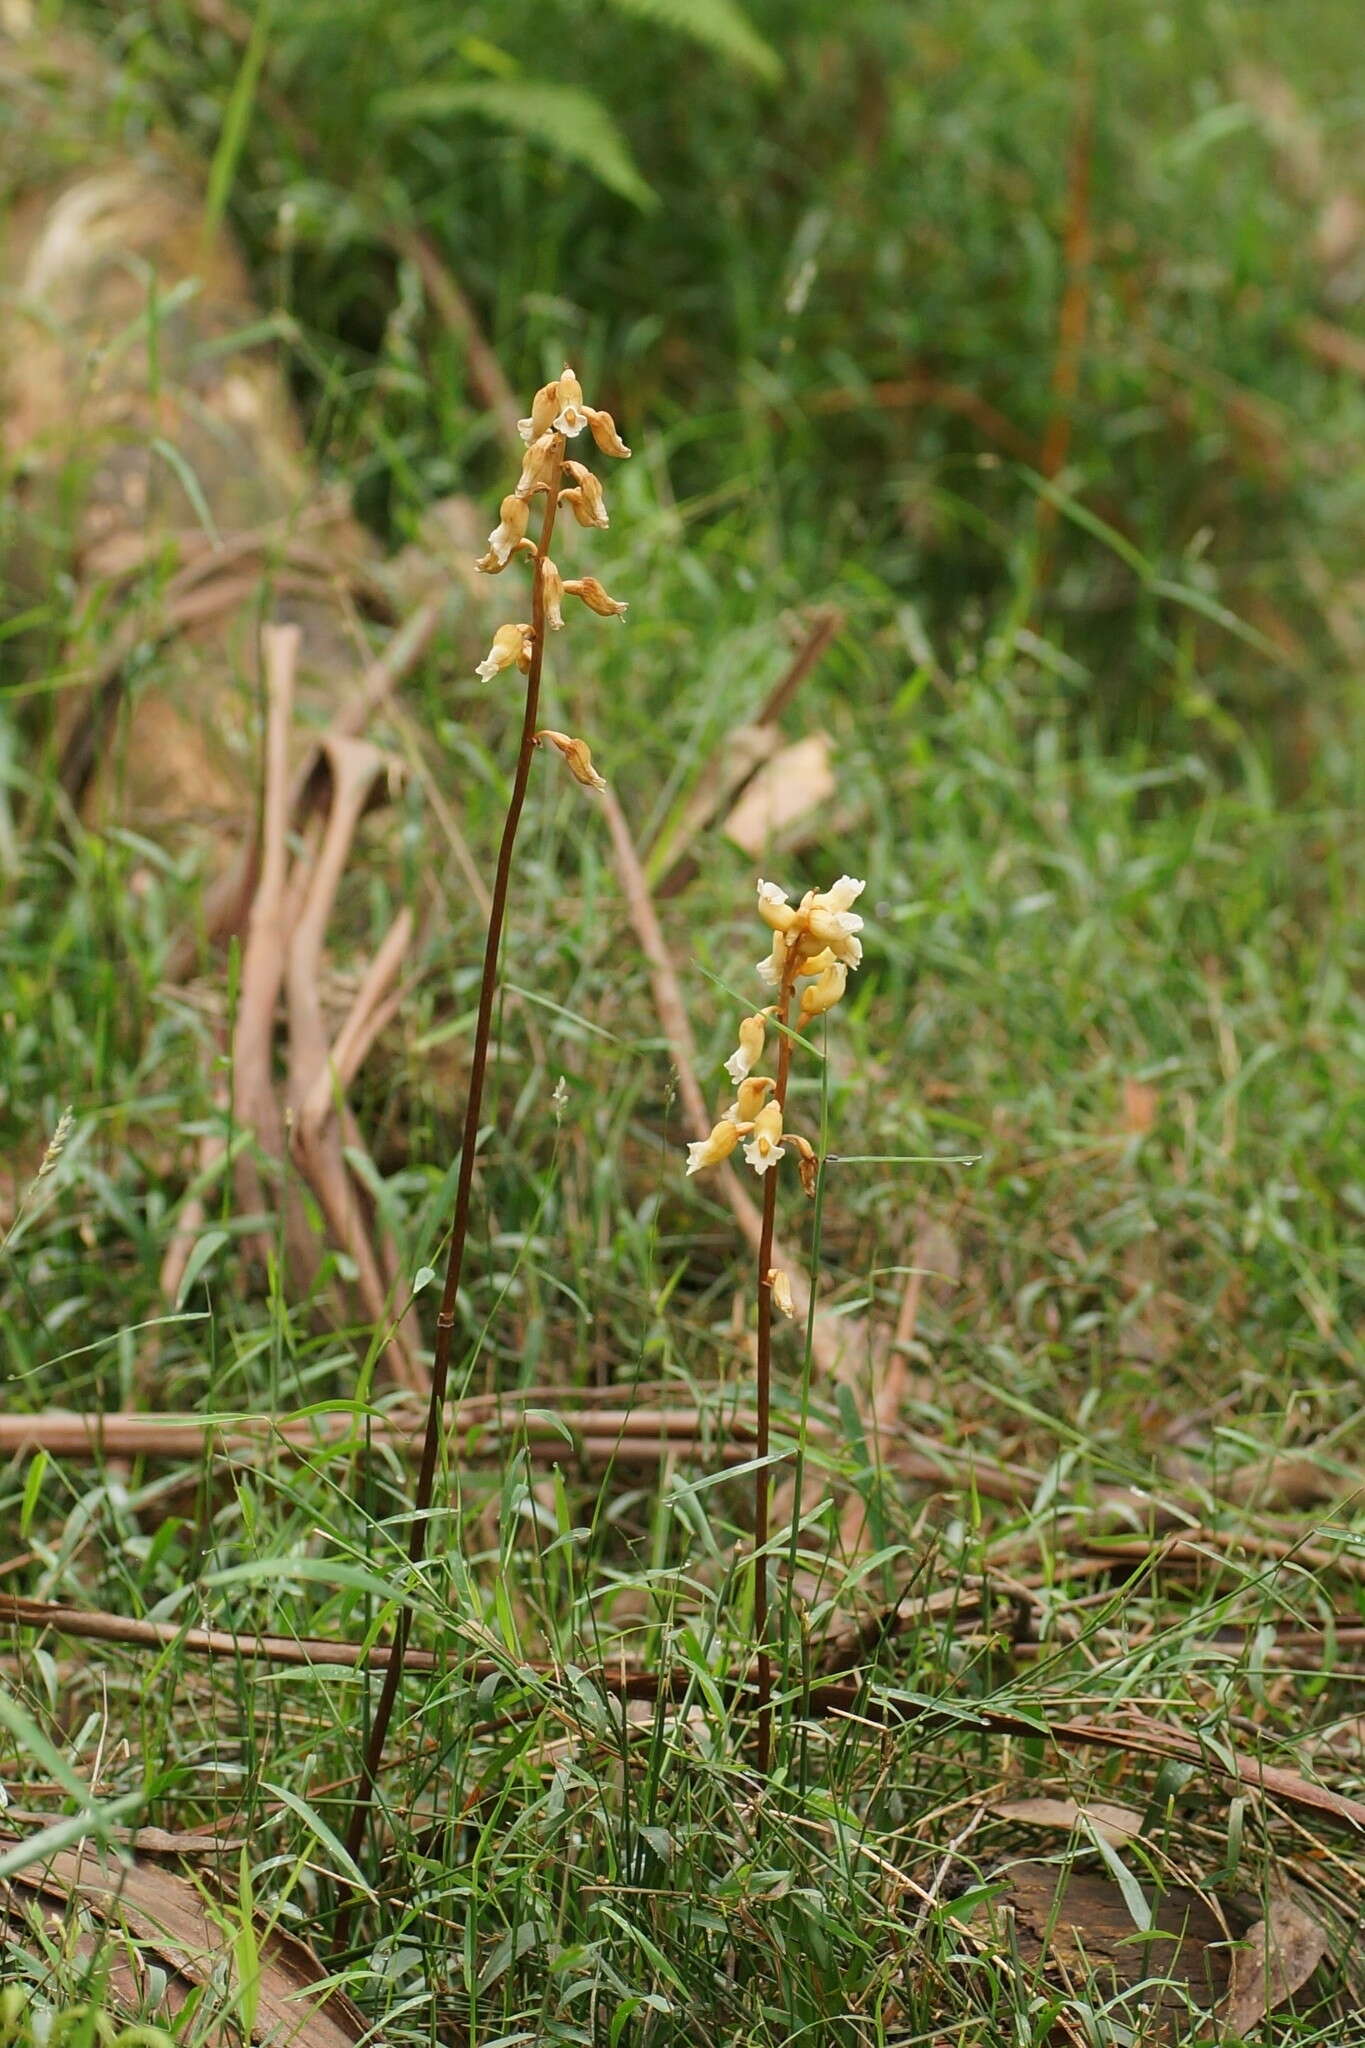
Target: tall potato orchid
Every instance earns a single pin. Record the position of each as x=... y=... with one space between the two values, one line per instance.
x=558 y=415
x=815 y=947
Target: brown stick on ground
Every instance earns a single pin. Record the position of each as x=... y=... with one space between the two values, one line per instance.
x=1137 y=1736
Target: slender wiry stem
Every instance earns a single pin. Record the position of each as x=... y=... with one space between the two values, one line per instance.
x=459 y=1227
x=763 y=1671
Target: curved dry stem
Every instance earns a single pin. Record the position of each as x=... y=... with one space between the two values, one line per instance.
x=459 y=1227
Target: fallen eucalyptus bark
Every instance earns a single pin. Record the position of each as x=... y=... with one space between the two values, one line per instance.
x=161 y=475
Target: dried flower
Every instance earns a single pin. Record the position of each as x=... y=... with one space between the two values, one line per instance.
x=511 y=645
x=750 y=1049
x=584 y=496
x=710 y=1151
x=576 y=754
x=765 y=1147
x=595 y=597
x=510 y=531
x=807 y=1164
x=781 y=1291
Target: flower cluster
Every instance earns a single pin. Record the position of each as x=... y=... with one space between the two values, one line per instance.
x=557 y=416
x=816 y=944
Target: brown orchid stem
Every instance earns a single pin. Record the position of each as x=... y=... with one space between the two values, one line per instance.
x=763 y=1672
x=459 y=1227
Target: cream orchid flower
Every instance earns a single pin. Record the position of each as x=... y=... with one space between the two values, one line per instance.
x=507 y=535
x=750 y=1049
x=552 y=588
x=511 y=646
x=539 y=464
x=765 y=1147
x=710 y=1151
x=822 y=994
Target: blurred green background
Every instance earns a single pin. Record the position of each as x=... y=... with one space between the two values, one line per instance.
x=856 y=276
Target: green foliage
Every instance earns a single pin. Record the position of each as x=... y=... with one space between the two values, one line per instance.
x=568 y=121
x=717 y=24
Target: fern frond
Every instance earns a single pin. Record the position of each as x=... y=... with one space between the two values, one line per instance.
x=719 y=24
x=567 y=121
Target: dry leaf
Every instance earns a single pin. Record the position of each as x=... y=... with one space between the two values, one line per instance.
x=1113 y=1824
x=789 y=787
x=1079 y=1929
x=1277 y=1958
x=160 y=1918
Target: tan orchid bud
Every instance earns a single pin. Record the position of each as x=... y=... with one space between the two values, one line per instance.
x=544 y=406
x=750 y=1098
x=604 y=433
x=572 y=416
x=710 y=1151
x=806 y=1161
x=823 y=994
x=507 y=535
x=774 y=908
x=750 y=1049
x=780 y=1288
x=584 y=497
x=552 y=587
x=765 y=1148
x=595 y=597
x=540 y=465
x=509 y=645
x=577 y=754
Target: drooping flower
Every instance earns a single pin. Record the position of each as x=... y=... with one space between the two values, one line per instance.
x=544 y=406
x=576 y=753
x=750 y=1049
x=595 y=597
x=584 y=496
x=710 y=1151
x=765 y=1147
x=552 y=588
x=774 y=908
x=781 y=1289
x=510 y=531
x=604 y=433
x=822 y=994
x=511 y=646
